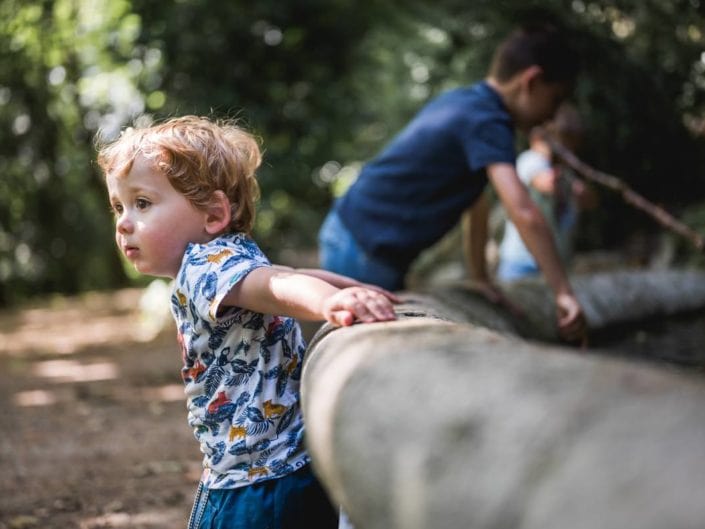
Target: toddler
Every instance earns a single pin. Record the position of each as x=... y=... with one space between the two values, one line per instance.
x=183 y=193
x=554 y=188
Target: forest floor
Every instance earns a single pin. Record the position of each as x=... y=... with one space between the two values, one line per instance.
x=93 y=430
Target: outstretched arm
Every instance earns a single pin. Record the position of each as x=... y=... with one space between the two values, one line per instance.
x=537 y=236
x=271 y=290
x=338 y=280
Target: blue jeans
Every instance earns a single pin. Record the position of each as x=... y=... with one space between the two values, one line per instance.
x=295 y=501
x=340 y=253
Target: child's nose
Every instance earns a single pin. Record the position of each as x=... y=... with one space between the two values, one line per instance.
x=124 y=224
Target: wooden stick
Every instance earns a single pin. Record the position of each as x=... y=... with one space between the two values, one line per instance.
x=628 y=194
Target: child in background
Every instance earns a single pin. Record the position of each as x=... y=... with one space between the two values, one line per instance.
x=558 y=193
x=183 y=194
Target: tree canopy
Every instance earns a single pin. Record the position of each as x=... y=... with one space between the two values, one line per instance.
x=324 y=84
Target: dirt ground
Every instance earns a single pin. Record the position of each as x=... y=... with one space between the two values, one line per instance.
x=93 y=430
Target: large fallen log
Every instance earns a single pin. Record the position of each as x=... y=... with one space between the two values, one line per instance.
x=608 y=299
x=434 y=422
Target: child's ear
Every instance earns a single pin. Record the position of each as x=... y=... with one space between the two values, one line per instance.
x=530 y=76
x=218 y=213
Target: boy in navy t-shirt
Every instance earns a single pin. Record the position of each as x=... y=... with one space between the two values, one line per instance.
x=437 y=167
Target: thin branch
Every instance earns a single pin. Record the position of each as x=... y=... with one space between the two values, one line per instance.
x=628 y=194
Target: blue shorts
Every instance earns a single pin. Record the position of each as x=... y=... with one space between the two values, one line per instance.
x=340 y=253
x=295 y=501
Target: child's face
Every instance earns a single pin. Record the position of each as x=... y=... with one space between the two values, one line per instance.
x=153 y=221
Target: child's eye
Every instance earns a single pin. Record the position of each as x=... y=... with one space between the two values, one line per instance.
x=116 y=209
x=142 y=203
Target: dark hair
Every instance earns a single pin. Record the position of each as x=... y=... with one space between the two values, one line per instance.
x=542 y=45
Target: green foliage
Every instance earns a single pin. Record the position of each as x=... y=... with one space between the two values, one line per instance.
x=283 y=69
x=325 y=84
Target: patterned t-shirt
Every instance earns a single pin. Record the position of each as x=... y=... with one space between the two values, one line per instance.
x=241 y=370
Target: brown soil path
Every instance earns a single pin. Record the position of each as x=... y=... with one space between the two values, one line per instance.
x=93 y=429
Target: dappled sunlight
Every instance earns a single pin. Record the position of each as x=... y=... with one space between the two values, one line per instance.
x=168 y=393
x=64 y=337
x=33 y=398
x=96 y=319
x=73 y=371
x=62 y=372
x=156 y=518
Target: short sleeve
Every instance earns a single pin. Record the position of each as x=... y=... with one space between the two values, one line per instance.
x=489 y=141
x=210 y=271
x=529 y=164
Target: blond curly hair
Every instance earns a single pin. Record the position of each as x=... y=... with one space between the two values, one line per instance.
x=199 y=156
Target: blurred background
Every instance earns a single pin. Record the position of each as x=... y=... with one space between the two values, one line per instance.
x=324 y=84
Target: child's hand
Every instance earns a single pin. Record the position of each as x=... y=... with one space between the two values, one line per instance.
x=391 y=296
x=357 y=303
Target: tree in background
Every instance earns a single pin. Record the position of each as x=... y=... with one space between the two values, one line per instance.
x=66 y=67
x=324 y=84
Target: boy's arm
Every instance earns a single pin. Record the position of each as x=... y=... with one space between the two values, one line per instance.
x=537 y=236
x=270 y=290
x=475 y=236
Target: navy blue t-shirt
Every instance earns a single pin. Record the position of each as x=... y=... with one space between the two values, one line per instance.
x=414 y=192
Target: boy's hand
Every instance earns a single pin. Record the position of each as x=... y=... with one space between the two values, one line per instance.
x=494 y=295
x=571 y=320
x=358 y=303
